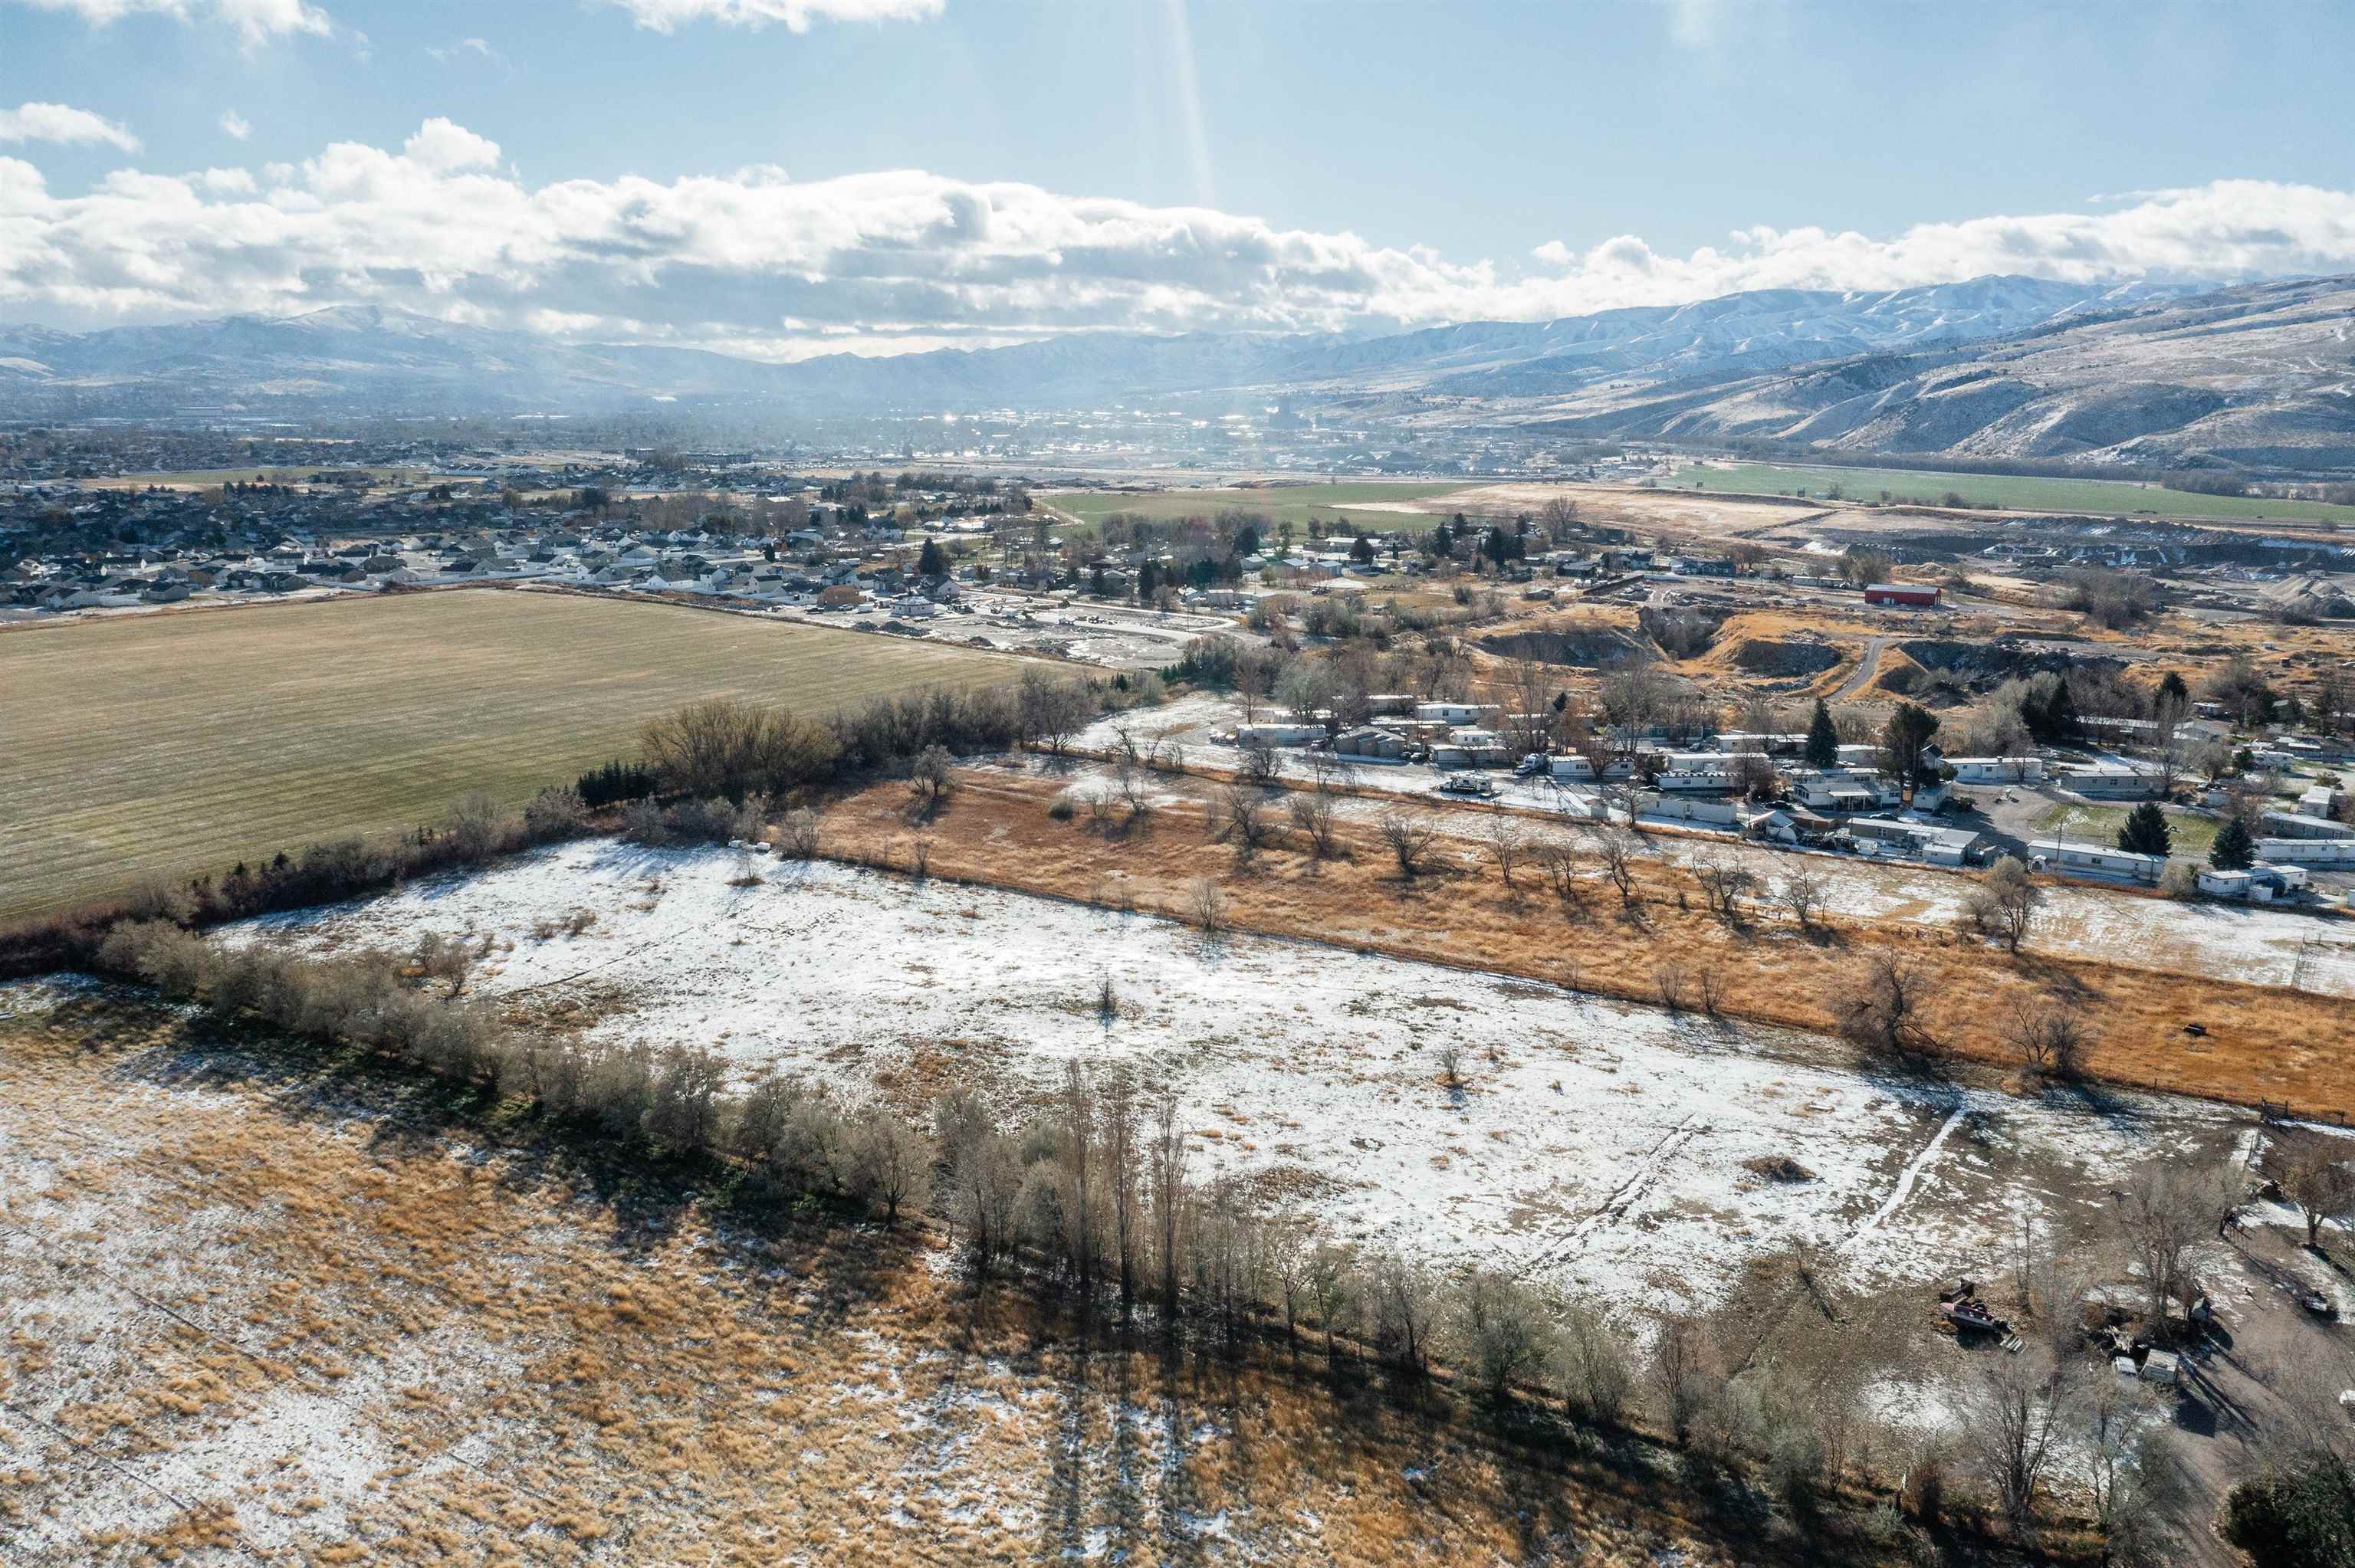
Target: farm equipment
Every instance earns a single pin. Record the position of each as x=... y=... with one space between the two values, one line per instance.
x=1965 y=1313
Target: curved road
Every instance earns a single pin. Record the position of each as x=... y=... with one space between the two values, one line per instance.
x=1862 y=675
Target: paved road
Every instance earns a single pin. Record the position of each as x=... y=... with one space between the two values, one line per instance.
x=1864 y=667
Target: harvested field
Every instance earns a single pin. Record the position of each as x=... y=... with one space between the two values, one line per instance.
x=263 y=1312
x=1372 y=506
x=175 y=744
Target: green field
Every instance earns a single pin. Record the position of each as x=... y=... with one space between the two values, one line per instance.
x=2100 y=825
x=1294 y=504
x=2012 y=492
x=177 y=744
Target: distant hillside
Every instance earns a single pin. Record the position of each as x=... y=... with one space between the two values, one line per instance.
x=2261 y=375
x=1996 y=367
x=367 y=357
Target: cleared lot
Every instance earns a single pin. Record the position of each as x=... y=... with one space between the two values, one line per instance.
x=177 y=744
x=1610 y=1149
x=257 y=1314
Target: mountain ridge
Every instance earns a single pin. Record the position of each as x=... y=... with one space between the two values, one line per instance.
x=1999 y=366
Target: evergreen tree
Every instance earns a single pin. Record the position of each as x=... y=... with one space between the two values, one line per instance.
x=1908 y=731
x=2145 y=832
x=2172 y=689
x=2061 y=713
x=1823 y=740
x=933 y=561
x=2234 y=849
x=1362 y=551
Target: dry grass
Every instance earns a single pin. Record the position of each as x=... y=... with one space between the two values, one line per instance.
x=259 y=1314
x=173 y=744
x=2262 y=1042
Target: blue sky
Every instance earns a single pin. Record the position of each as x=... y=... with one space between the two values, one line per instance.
x=1346 y=165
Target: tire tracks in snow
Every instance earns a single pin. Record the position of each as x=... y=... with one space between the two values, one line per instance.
x=1649 y=1166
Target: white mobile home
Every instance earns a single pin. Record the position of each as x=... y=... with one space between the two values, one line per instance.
x=2091 y=860
x=2108 y=780
x=1997 y=770
x=2308 y=852
x=1278 y=734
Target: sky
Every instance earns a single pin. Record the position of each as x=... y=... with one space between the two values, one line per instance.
x=784 y=177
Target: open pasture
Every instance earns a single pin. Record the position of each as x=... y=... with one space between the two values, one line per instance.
x=2006 y=493
x=1372 y=506
x=177 y=744
x=1611 y=1151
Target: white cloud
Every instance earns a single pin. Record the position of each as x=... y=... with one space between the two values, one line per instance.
x=1695 y=23
x=236 y=124
x=479 y=47
x=257 y=21
x=57 y=122
x=664 y=16
x=754 y=261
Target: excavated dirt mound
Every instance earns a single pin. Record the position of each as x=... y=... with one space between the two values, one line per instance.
x=1983 y=666
x=1588 y=648
x=1783 y=660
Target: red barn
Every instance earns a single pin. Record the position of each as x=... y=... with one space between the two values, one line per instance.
x=1904 y=595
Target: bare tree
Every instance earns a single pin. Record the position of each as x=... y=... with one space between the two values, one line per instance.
x=1500 y=1331
x=1261 y=764
x=931 y=777
x=1684 y=1375
x=1803 y=894
x=1409 y=839
x=1669 y=980
x=2315 y=1176
x=797 y=833
x=2048 y=1035
x=2005 y=902
x=1882 y=1008
x=1245 y=824
x=2165 y=1209
x=1208 y=906
x=1724 y=883
x=1710 y=984
x=1618 y=854
x=1166 y=1192
x=1312 y=815
x=1508 y=846
x=1595 y=1368
x=1119 y=1120
x=2019 y=1407
x=1559 y=861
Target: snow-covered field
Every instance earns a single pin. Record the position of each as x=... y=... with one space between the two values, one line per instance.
x=1604 y=1148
